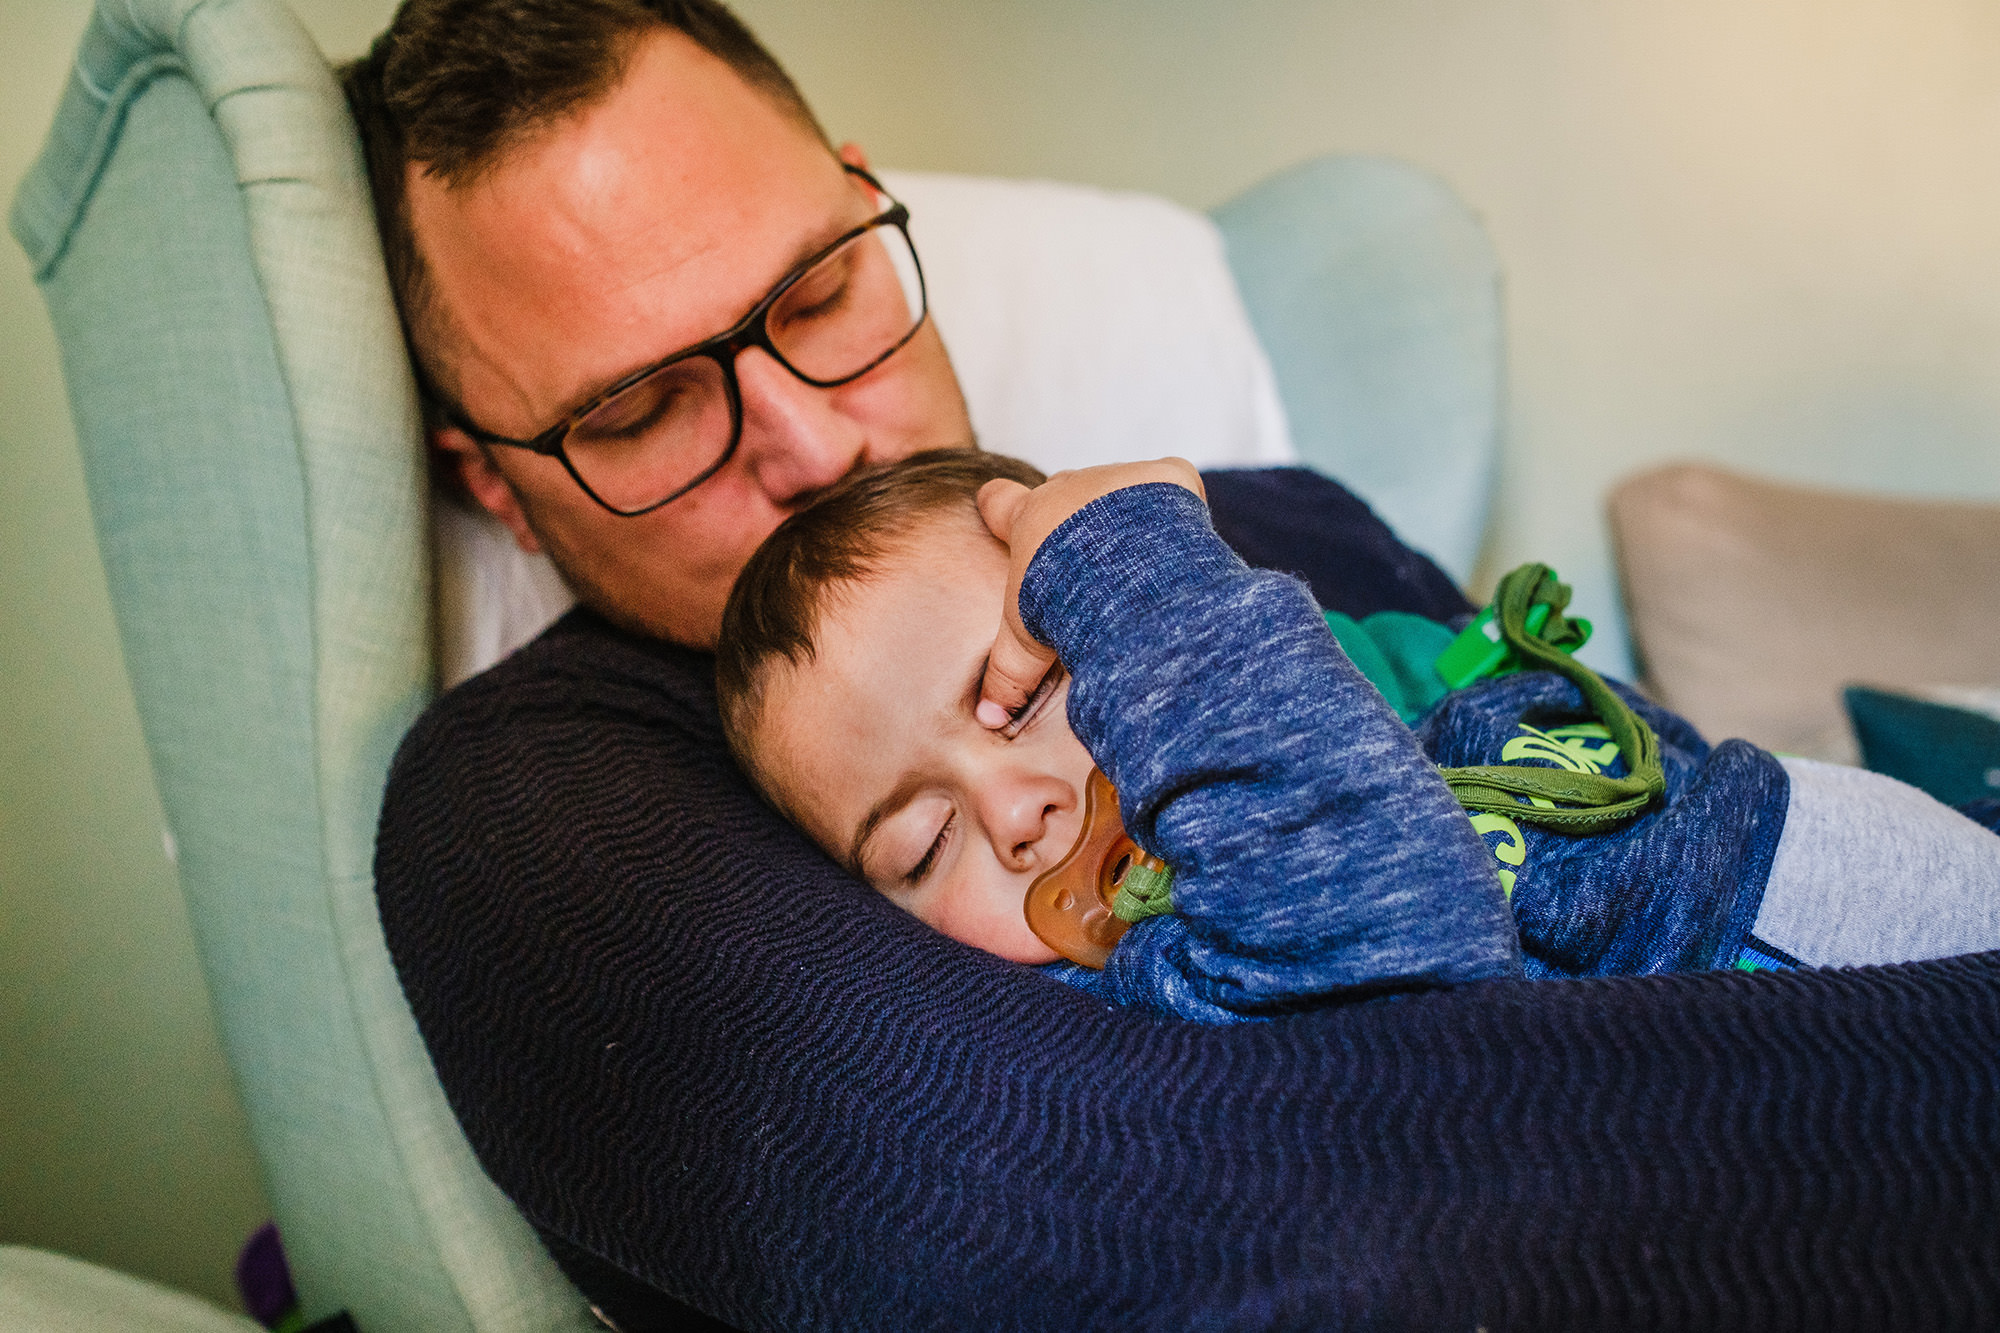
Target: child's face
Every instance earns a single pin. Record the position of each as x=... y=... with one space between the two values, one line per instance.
x=873 y=748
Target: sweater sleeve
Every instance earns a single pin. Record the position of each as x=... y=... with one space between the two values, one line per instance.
x=1315 y=849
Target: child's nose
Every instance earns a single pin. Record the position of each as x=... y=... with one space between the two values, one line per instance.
x=1021 y=817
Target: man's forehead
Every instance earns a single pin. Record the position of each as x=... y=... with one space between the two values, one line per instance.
x=625 y=228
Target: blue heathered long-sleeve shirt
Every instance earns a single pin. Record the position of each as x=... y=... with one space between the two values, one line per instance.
x=1317 y=854
x=1675 y=890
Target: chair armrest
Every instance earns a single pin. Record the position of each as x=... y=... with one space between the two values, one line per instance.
x=49 y=1293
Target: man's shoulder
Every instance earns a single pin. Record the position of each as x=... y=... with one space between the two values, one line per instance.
x=582 y=672
x=587 y=738
x=1297 y=520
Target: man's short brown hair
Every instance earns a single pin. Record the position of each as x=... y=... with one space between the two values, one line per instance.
x=454 y=84
x=774 y=610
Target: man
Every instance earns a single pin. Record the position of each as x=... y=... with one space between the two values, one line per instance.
x=580 y=197
x=624 y=204
x=648 y=303
x=570 y=193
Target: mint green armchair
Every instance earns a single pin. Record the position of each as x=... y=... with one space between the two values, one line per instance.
x=200 y=227
x=47 y=1293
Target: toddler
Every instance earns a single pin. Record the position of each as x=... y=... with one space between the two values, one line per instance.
x=1317 y=853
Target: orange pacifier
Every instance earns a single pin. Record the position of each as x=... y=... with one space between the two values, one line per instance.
x=1069 y=906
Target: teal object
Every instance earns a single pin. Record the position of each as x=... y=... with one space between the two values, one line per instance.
x=1376 y=294
x=1951 y=753
x=1398 y=653
x=201 y=230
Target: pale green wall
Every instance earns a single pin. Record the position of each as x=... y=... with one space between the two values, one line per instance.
x=1756 y=231
x=120 y=1136
x=1760 y=231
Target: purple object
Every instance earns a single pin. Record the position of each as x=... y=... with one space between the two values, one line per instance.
x=264 y=1279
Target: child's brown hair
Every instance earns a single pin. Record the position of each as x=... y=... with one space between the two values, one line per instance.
x=773 y=611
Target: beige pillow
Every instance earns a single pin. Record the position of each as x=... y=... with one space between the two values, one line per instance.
x=1752 y=603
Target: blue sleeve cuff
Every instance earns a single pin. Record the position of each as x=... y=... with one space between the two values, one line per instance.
x=1123 y=554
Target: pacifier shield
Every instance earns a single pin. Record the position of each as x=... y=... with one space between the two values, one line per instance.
x=1069 y=905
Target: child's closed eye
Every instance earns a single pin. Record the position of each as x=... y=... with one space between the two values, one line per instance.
x=1033 y=707
x=929 y=860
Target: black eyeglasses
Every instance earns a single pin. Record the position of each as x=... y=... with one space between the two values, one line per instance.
x=660 y=432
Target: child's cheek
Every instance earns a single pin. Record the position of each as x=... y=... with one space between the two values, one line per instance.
x=987 y=916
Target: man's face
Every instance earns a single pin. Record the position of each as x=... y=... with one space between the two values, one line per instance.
x=650 y=220
x=872 y=746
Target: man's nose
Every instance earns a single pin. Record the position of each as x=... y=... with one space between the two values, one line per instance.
x=1023 y=812
x=796 y=442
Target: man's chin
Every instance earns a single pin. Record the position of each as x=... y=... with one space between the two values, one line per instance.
x=654 y=619
x=686 y=633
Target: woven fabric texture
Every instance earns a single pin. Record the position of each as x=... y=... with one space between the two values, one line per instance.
x=682 y=1040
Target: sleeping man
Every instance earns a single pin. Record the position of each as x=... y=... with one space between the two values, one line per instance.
x=1315 y=849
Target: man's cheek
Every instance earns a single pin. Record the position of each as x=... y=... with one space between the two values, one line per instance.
x=905 y=410
x=722 y=524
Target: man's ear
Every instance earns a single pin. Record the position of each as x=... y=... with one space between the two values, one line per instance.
x=486 y=484
x=853 y=155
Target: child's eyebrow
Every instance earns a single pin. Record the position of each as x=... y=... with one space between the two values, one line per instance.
x=898 y=797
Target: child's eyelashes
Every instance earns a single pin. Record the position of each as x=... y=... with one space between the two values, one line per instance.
x=940 y=843
x=1030 y=709
x=929 y=860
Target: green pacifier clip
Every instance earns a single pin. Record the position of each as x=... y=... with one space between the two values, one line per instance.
x=1525 y=630
x=1144 y=890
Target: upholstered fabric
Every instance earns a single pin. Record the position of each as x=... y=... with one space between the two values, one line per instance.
x=48 y=1293
x=199 y=227
x=1092 y=326
x=1377 y=294
x=1752 y=603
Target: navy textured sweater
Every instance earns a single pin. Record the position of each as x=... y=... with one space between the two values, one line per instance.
x=695 y=1053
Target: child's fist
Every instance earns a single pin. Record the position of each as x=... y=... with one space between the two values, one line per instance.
x=1023 y=519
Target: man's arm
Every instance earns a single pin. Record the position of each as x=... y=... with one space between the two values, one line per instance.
x=684 y=1042
x=1314 y=847
x=1296 y=521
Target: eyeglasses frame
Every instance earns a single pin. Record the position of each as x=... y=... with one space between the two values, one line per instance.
x=723 y=349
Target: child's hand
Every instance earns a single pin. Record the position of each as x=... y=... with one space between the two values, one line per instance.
x=1023 y=518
